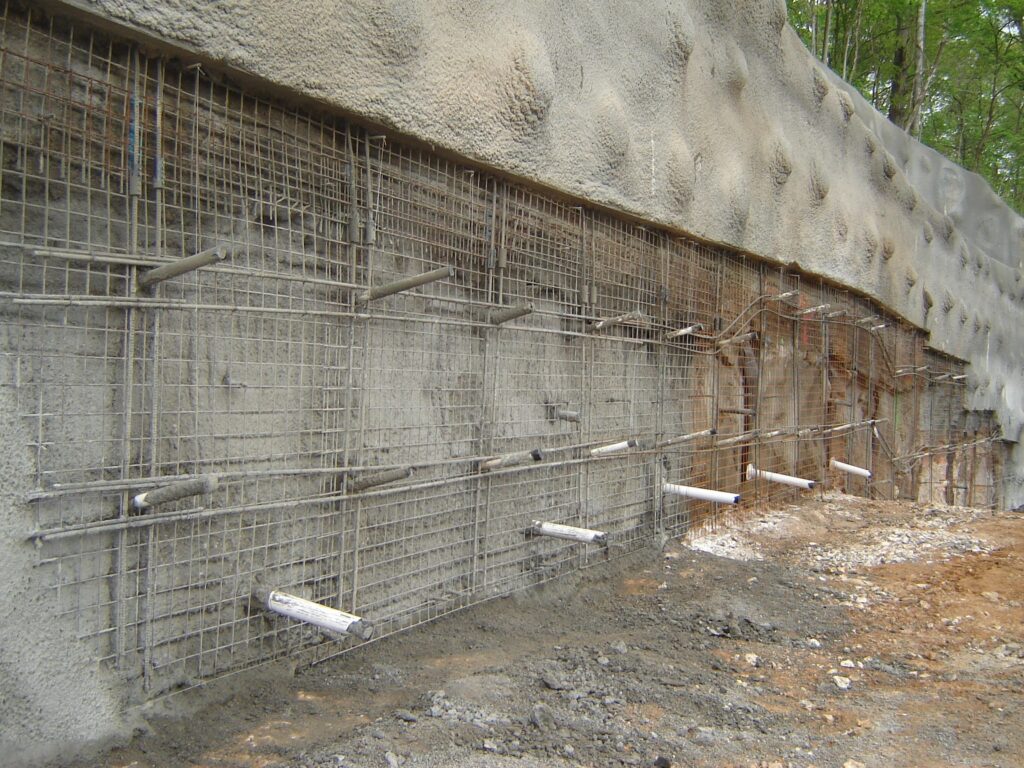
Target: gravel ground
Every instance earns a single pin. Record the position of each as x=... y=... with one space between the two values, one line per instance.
x=843 y=632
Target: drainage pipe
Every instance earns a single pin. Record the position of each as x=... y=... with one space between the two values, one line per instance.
x=330 y=619
x=776 y=477
x=558 y=531
x=850 y=469
x=613 y=448
x=703 y=494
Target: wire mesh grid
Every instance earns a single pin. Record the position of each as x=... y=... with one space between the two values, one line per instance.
x=367 y=307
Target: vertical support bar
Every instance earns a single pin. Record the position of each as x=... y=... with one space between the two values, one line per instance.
x=716 y=481
x=587 y=343
x=795 y=354
x=149 y=577
x=483 y=448
x=128 y=376
x=852 y=417
x=762 y=501
x=659 y=426
x=826 y=343
x=872 y=342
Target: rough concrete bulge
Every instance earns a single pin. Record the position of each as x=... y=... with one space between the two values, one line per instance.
x=704 y=116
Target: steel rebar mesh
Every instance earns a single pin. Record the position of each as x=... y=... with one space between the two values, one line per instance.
x=378 y=449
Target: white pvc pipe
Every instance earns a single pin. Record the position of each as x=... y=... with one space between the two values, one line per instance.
x=559 y=531
x=703 y=494
x=318 y=615
x=776 y=477
x=614 y=447
x=850 y=469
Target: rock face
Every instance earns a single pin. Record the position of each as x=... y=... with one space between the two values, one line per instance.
x=710 y=119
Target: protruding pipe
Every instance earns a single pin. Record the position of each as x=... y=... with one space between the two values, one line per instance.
x=744 y=438
x=330 y=619
x=783 y=296
x=776 y=477
x=378 y=478
x=850 y=469
x=405 y=284
x=499 y=316
x=635 y=315
x=190 y=263
x=721 y=497
x=512 y=459
x=742 y=411
x=564 y=415
x=613 y=448
x=812 y=310
x=685 y=331
x=687 y=438
x=837 y=313
x=175 y=491
x=584 y=535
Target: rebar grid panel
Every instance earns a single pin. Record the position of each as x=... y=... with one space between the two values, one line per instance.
x=351 y=430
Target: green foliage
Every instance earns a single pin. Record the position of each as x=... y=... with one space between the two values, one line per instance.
x=966 y=101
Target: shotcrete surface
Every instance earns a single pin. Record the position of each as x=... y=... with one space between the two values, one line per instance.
x=50 y=685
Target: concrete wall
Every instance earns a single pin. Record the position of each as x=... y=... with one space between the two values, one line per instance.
x=264 y=370
x=708 y=117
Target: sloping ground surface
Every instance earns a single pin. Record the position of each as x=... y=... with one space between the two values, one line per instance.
x=842 y=633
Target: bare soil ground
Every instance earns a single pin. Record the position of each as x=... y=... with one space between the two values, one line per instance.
x=843 y=632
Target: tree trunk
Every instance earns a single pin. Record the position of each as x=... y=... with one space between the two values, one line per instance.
x=898 y=86
x=814 y=27
x=914 y=127
x=852 y=38
x=827 y=36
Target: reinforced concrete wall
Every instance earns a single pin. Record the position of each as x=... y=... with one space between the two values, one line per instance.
x=266 y=369
x=709 y=117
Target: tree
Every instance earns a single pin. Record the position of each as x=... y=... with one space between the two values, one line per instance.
x=950 y=72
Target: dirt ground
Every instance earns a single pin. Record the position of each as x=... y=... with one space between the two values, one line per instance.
x=842 y=632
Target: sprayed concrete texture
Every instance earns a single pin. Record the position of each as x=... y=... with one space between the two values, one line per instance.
x=709 y=117
x=268 y=371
